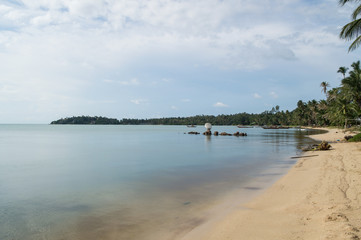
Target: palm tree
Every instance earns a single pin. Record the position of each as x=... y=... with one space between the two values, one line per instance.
x=324 y=86
x=352 y=84
x=333 y=94
x=341 y=110
x=343 y=71
x=352 y=30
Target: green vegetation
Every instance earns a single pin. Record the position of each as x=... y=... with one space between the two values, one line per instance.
x=352 y=30
x=356 y=138
x=86 y=120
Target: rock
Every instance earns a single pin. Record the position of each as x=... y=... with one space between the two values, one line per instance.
x=237 y=134
x=207 y=133
x=225 y=134
x=193 y=133
x=215 y=133
x=348 y=137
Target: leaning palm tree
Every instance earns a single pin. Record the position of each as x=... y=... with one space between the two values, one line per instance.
x=343 y=71
x=324 y=86
x=352 y=30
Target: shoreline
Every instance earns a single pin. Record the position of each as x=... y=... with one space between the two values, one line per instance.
x=318 y=198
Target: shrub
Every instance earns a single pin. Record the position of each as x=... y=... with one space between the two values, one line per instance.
x=356 y=138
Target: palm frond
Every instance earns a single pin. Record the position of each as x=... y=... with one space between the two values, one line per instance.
x=356 y=12
x=355 y=44
x=351 y=30
x=343 y=2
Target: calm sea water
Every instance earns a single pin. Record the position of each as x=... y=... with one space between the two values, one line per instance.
x=127 y=182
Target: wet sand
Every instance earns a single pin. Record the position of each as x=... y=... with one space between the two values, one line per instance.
x=319 y=198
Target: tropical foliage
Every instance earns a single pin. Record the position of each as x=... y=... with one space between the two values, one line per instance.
x=356 y=138
x=352 y=30
x=86 y=120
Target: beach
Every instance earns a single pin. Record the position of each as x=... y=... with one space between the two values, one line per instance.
x=319 y=198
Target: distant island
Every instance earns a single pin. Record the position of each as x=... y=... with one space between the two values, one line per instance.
x=87 y=120
x=272 y=117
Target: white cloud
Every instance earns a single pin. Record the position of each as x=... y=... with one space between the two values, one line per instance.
x=117 y=32
x=133 y=82
x=174 y=107
x=273 y=94
x=220 y=104
x=256 y=95
x=108 y=81
x=139 y=101
x=185 y=100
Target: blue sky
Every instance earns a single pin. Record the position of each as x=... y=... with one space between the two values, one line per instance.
x=162 y=58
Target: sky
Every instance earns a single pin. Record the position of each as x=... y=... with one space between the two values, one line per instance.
x=165 y=58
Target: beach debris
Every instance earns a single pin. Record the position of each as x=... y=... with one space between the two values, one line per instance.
x=318 y=147
x=187 y=203
x=193 y=133
x=304 y=156
x=324 y=146
x=338 y=217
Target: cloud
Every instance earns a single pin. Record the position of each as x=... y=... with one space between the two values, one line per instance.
x=139 y=101
x=53 y=53
x=273 y=94
x=174 y=107
x=220 y=104
x=119 y=32
x=256 y=95
x=133 y=82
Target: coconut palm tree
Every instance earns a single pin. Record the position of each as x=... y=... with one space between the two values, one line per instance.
x=352 y=84
x=343 y=71
x=352 y=30
x=324 y=86
x=340 y=110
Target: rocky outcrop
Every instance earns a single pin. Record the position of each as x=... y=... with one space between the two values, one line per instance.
x=207 y=133
x=237 y=134
x=196 y=133
x=225 y=134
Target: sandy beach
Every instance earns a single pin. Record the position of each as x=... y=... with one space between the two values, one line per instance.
x=319 y=198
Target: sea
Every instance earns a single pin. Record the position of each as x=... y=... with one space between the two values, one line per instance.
x=60 y=182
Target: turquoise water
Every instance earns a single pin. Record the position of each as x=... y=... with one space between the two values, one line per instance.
x=126 y=182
